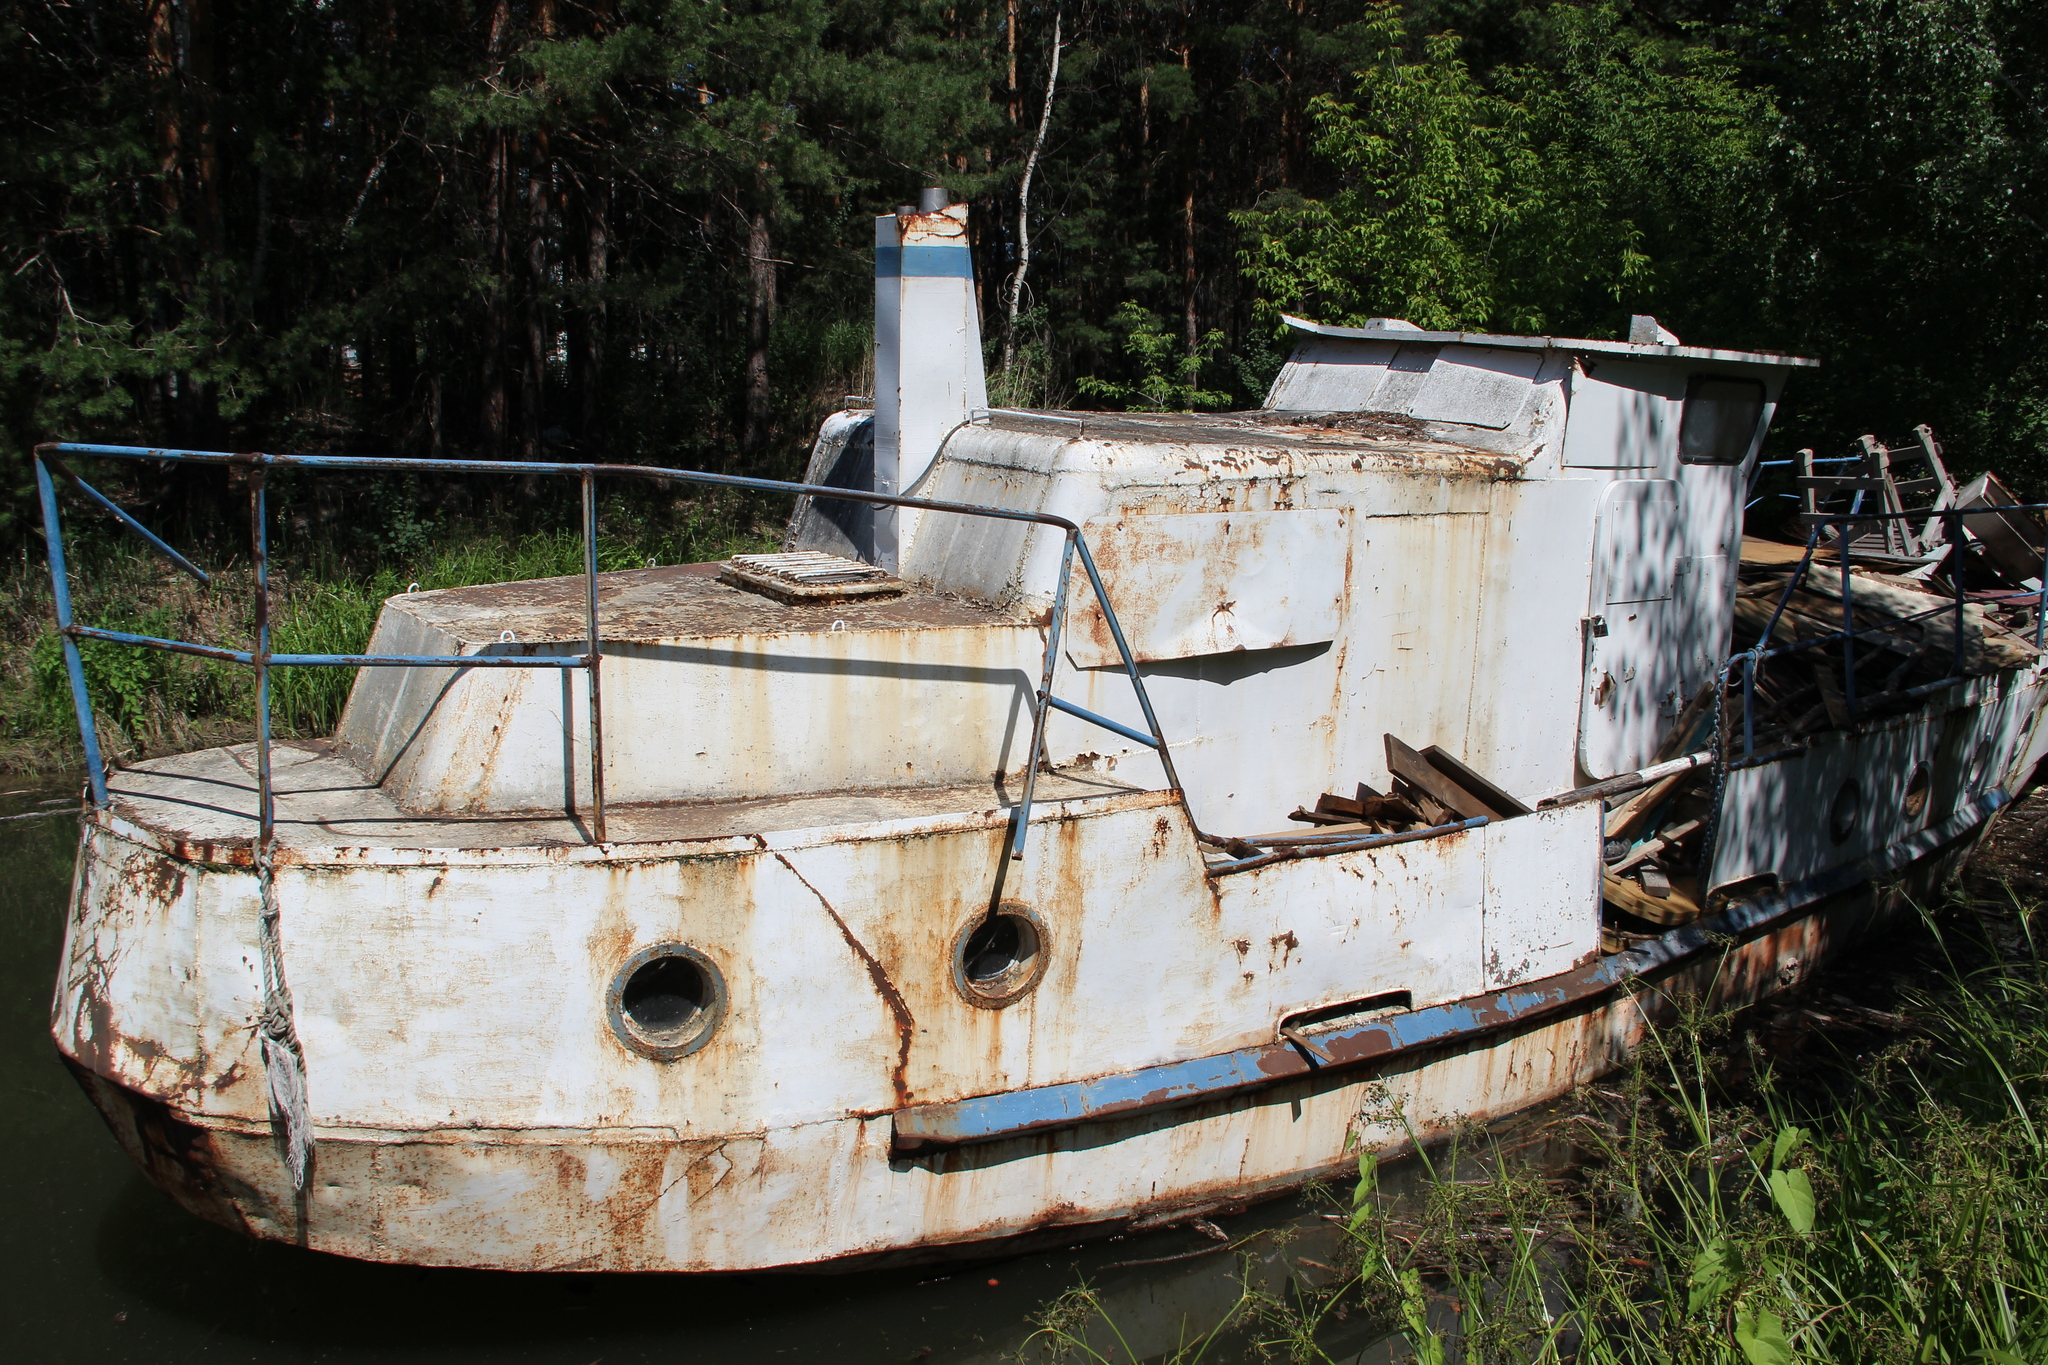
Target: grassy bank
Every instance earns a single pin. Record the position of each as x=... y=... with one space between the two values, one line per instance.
x=1827 y=1178
x=327 y=586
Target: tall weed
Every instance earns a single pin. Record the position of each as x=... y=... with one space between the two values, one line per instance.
x=1903 y=1218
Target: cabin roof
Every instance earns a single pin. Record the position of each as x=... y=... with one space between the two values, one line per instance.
x=1388 y=437
x=683 y=601
x=1548 y=343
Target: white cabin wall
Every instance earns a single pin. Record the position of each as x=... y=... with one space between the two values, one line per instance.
x=1412 y=642
x=1525 y=698
x=1667 y=546
x=1623 y=415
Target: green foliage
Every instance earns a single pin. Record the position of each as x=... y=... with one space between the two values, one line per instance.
x=643 y=231
x=120 y=680
x=1528 y=202
x=1167 y=382
x=327 y=619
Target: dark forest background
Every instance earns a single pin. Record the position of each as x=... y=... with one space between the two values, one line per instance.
x=638 y=230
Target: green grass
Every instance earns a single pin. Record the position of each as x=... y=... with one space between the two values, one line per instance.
x=1899 y=1214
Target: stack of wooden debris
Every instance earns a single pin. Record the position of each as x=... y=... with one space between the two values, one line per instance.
x=1650 y=853
x=1430 y=788
x=1901 y=586
x=1433 y=793
x=1906 y=639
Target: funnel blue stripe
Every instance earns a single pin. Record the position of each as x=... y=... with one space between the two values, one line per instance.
x=924 y=262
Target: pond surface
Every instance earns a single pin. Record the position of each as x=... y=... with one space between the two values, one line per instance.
x=103 y=1267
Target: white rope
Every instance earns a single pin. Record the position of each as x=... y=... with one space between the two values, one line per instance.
x=284 y=1066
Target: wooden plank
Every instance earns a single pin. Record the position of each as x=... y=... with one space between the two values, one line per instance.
x=1757 y=551
x=1361 y=828
x=1677 y=908
x=1390 y=808
x=1669 y=838
x=1472 y=782
x=1633 y=811
x=1317 y=817
x=1412 y=768
x=1434 y=812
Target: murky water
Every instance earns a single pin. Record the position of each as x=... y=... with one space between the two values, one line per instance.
x=99 y=1266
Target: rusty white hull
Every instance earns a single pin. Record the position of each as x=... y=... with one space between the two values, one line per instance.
x=473 y=1108
x=803 y=995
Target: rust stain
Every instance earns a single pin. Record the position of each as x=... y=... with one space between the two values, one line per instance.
x=899 y=1009
x=1162 y=838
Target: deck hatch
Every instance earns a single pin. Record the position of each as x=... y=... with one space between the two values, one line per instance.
x=810 y=576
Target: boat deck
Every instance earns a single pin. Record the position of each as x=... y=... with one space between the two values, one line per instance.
x=678 y=602
x=203 y=806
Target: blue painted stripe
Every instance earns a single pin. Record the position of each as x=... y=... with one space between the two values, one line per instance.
x=924 y=261
x=1179 y=1083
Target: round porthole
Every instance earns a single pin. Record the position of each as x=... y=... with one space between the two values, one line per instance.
x=1846 y=813
x=998 y=958
x=666 y=1001
x=1918 y=788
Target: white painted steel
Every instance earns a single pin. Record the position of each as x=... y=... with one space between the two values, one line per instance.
x=928 y=368
x=678 y=1193
x=1267 y=580
x=816 y=799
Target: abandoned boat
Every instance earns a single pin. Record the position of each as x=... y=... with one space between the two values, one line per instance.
x=931 y=884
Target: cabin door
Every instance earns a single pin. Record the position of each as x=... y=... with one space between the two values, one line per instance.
x=1640 y=656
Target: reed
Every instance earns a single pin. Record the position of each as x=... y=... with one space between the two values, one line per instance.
x=1897 y=1213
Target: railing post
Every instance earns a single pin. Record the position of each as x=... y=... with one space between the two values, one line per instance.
x=74 y=666
x=1848 y=627
x=595 y=656
x=1749 y=702
x=1123 y=649
x=259 y=549
x=1791 y=586
x=1710 y=837
x=1053 y=622
x=1956 y=576
x=2040 y=601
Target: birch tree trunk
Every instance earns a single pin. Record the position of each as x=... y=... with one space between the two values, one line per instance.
x=1052 y=81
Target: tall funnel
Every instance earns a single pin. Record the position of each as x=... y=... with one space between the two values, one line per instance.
x=928 y=373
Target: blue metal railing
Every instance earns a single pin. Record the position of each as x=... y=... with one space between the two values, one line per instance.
x=1954 y=533
x=50 y=469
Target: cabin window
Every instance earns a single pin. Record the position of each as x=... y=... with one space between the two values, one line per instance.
x=1721 y=418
